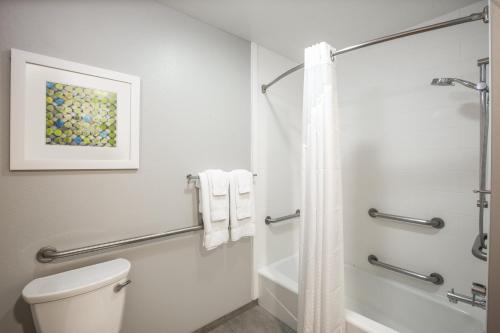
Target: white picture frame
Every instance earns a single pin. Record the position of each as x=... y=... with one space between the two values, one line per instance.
x=42 y=138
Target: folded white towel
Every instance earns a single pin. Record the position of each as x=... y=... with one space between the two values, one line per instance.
x=219 y=198
x=244 y=181
x=219 y=182
x=242 y=204
x=214 y=207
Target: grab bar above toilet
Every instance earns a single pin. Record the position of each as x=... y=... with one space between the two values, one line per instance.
x=49 y=253
x=435 y=278
x=435 y=222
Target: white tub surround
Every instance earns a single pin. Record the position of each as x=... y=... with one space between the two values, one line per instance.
x=276 y=154
x=321 y=279
x=373 y=304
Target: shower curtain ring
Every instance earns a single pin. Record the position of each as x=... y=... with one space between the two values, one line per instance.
x=332 y=56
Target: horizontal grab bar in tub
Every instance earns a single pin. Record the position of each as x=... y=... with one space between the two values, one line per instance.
x=270 y=220
x=435 y=278
x=435 y=222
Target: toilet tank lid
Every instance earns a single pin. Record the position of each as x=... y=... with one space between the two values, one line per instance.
x=75 y=282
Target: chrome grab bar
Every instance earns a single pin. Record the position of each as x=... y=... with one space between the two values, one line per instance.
x=435 y=222
x=270 y=220
x=433 y=277
x=48 y=253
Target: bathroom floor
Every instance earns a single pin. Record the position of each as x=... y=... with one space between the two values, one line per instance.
x=254 y=320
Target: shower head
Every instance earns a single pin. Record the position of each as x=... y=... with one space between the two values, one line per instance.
x=443 y=81
x=450 y=81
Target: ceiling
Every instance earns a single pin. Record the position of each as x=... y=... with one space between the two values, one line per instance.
x=288 y=26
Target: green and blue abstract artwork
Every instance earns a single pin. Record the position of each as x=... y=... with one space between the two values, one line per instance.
x=78 y=116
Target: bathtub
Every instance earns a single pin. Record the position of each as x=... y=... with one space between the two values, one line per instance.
x=374 y=304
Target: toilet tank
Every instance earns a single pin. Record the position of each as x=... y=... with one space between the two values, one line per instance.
x=84 y=300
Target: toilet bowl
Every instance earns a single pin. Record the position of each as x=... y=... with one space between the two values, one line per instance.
x=84 y=300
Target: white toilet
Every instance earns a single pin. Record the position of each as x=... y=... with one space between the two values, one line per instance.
x=84 y=300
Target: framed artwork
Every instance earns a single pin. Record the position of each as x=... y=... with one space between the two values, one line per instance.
x=66 y=115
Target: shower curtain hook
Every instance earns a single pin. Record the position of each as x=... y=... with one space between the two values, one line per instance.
x=332 y=56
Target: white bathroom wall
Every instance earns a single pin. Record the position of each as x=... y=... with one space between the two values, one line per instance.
x=195 y=114
x=276 y=149
x=412 y=149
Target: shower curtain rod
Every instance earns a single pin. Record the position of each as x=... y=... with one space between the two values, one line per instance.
x=470 y=18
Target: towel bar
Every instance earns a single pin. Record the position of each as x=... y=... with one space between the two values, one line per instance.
x=435 y=222
x=433 y=277
x=270 y=220
x=191 y=177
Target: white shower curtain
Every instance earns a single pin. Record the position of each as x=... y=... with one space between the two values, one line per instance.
x=321 y=278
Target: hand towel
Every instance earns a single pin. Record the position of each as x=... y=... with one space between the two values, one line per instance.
x=214 y=204
x=219 y=184
x=242 y=203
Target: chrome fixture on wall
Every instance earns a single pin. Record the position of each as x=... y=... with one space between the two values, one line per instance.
x=49 y=253
x=270 y=220
x=479 y=245
x=478 y=298
x=450 y=81
x=483 y=16
x=435 y=278
x=435 y=222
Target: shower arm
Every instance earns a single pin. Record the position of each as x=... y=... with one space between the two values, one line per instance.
x=479 y=86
